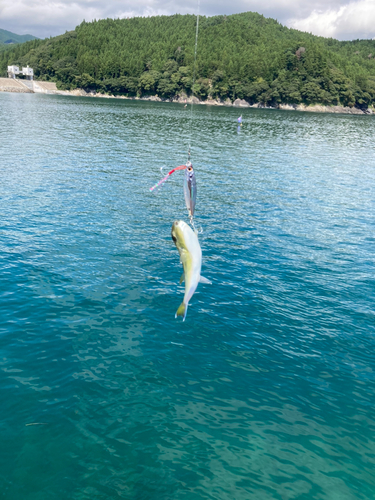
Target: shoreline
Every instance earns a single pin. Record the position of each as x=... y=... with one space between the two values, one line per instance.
x=237 y=103
x=49 y=88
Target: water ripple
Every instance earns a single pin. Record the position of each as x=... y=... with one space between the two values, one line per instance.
x=267 y=390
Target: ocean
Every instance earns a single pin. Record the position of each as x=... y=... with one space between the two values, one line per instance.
x=267 y=390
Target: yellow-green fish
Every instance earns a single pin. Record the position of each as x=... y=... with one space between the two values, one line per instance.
x=186 y=241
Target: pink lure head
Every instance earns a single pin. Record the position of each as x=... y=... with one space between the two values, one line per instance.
x=164 y=179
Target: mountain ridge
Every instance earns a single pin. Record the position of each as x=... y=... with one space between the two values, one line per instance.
x=244 y=56
x=7 y=37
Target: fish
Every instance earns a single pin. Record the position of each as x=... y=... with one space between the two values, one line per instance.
x=190 y=188
x=186 y=241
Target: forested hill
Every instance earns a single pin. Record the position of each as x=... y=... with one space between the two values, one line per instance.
x=240 y=56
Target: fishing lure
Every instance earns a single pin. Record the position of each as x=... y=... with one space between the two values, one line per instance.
x=190 y=189
x=164 y=179
x=190 y=186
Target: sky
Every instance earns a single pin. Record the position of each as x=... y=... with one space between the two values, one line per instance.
x=341 y=19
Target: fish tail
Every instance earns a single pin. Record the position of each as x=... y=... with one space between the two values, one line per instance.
x=182 y=310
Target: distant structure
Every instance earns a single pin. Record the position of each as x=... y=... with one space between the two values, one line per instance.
x=15 y=70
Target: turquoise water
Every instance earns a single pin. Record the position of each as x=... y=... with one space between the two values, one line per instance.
x=267 y=390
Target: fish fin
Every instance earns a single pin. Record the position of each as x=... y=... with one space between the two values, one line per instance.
x=182 y=278
x=202 y=279
x=182 y=310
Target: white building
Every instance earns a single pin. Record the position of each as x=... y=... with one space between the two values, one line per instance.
x=28 y=72
x=15 y=70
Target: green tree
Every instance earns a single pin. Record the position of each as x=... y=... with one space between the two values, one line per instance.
x=148 y=81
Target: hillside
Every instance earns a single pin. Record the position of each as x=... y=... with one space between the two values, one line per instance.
x=243 y=56
x=7 y=37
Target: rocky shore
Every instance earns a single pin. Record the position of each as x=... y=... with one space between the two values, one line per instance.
x=238 y=103
x=9 y=85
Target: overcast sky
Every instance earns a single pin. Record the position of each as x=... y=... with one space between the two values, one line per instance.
x=342 y=19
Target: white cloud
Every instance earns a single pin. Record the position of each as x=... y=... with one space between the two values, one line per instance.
x=337 y=18
x=348 y=22
x=43 y=18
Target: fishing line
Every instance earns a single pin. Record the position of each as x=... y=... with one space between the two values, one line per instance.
x=182 y=167
x=190 y=191
x=194 y=74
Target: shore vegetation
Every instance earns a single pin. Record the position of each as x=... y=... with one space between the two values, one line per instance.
x=241 y=56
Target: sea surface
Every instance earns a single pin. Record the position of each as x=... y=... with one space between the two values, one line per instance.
x=267 y=390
